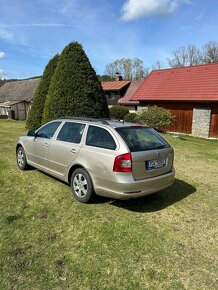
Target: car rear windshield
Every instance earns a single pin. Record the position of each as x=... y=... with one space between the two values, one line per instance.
x=141 y=138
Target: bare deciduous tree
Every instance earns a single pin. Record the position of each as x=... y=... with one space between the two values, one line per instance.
x=110 y=70
x=156 y=65
x=130 y=69
x=185 y=56
x=191 y=55
x=210 y=52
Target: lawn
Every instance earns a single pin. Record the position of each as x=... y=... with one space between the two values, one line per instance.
x=167 y=240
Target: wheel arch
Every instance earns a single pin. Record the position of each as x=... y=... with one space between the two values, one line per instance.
x=76 y=166
x=19 y=145
x=72 y=169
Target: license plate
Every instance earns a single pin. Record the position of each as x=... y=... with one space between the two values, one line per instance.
x=152 y=164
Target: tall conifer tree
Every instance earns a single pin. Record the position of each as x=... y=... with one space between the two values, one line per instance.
x=34 y=120
x=75 y=89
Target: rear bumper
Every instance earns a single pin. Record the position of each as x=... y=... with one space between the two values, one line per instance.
x=136 y=189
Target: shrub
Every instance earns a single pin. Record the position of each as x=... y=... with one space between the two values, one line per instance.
x=131 y=117
x=156 y=117
x=75 y=89
x=118 y=112
x=34 y=120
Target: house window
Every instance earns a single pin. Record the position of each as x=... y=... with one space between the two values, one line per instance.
x=112 y=96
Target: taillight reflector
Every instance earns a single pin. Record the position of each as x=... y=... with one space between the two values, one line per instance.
x=123 y=163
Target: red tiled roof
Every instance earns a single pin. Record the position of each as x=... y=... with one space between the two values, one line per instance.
x=114 y=85
x=195 y=83
x=134 y=85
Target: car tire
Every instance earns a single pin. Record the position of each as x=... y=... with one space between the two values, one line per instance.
x=81 y=186
x=21 y=159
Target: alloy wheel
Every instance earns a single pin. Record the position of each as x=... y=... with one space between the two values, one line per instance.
x=20 y=158
x=80 y=185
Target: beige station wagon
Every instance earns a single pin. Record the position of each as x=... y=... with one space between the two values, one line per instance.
x=104 y=157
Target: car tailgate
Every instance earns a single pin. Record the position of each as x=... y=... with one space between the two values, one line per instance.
x=151 y=163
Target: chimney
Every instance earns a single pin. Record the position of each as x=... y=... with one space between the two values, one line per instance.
x=118 y=77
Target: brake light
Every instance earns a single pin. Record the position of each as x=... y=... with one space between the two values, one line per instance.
x=123 y=163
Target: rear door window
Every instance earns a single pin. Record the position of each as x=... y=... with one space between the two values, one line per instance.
x=99 y=137
x=141 y=138
x=71 y=132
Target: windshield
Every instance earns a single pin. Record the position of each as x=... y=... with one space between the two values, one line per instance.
x=141 y=138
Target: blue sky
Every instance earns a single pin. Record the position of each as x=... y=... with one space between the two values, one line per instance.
x=31 y=32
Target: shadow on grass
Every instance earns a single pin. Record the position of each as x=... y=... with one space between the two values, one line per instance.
x=150 y=203
x=158 y=201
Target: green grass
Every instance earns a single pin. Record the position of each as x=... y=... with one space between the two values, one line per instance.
x=167 y=240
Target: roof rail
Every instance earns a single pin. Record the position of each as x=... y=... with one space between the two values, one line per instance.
x=100 y=120
x=104 y=121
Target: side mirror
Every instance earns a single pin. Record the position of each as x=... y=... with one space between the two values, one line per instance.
x=31 y=133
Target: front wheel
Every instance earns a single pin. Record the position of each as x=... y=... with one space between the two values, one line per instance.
x=21 y=159
x=81 y=186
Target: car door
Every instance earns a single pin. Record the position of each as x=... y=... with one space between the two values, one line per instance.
x=38 y=147
x=64 y=149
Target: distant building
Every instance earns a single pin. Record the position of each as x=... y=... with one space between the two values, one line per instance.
x=190 y=93
x=16 y=98
x=114 y=90
x=126 y=99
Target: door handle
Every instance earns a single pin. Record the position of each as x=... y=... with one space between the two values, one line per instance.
x=45 y=145
x=73 y=151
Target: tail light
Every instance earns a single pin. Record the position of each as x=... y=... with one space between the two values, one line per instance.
x=123 y=163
